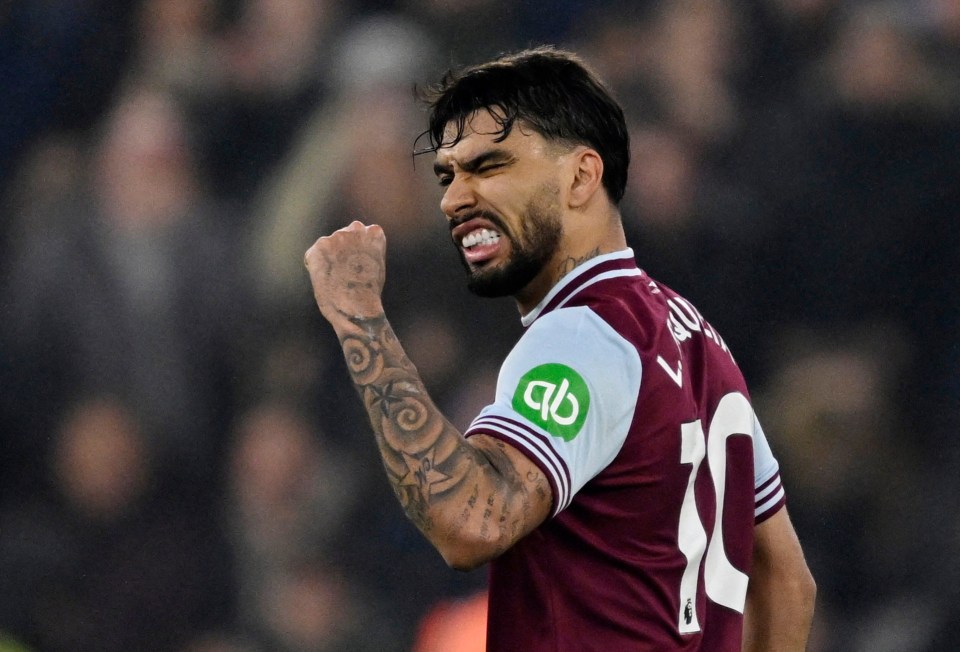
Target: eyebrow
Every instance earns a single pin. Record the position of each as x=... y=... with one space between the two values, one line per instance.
x=475 y=163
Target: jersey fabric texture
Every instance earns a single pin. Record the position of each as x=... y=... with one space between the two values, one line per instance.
x=633 y=407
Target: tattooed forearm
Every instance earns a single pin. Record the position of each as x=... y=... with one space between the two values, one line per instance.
x=424 y=455
x=452 y=490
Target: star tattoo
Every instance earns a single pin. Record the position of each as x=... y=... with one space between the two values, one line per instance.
x=421 y=472
x=384 y=397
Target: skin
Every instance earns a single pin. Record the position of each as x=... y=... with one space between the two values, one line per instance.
x=473 y=499
x=481 y=175
x=781 y=593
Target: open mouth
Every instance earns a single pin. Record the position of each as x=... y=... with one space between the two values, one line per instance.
x=480 y=237
x=480 y=245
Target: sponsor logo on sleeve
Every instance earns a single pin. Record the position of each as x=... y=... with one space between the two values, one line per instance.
x=554 y=397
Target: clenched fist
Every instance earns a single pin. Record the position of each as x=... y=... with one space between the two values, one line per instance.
x=347 y=270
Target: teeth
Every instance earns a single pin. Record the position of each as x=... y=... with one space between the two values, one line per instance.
x=480 y=236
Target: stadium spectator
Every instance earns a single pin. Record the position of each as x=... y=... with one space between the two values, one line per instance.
x=108 y=558
x=131 y=291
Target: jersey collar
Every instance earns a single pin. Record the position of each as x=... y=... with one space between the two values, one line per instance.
x=617 y=263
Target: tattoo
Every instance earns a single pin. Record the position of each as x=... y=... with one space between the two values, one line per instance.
x=467 y=510
x=428 y=463
x=570 y=263
x=485 y=524
x=424 y=456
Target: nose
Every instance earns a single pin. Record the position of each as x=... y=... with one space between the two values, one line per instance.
x=458 y=197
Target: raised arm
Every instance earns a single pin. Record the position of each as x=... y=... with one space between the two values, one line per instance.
x=781 y=593
x=472 y=499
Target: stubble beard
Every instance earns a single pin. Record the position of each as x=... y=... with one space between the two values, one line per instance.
x=541 y=232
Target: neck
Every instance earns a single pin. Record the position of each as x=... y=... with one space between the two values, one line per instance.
x=585 y=241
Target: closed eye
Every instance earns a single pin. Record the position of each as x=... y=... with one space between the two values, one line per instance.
x=483 y=163
x=490 y=167
x=446 y=179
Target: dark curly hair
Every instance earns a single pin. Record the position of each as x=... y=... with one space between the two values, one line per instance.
x=548 y=90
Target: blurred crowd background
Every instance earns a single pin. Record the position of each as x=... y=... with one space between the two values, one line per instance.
x=183 y=465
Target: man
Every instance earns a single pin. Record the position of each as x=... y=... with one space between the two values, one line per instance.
x=619 y=484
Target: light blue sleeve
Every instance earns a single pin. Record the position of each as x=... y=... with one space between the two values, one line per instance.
x=769 y=494
x=566 y=396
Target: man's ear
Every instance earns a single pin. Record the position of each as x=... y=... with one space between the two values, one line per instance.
x=587 y=176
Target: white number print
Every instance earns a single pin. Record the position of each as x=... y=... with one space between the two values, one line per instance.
x=724 y=584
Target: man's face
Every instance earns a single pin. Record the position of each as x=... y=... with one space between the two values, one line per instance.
x=502 y=201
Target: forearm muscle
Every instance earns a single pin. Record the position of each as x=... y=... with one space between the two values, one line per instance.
x=469 y=501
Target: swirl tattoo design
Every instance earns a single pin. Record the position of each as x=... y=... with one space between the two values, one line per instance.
x=419 y=448
x=411 y=416
x=363 y=359
x=428 y=463
x=409 y=424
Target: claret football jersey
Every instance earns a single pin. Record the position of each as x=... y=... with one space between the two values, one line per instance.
x=635 y=410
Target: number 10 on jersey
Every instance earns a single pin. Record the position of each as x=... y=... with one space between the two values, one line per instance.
x=724 y=584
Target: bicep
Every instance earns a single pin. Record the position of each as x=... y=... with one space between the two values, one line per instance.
x=775 y=543
x=780 y=571
x=503 y=498
x=525 y=487
x=781 y=593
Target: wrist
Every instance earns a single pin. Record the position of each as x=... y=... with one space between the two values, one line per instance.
x=350 y=320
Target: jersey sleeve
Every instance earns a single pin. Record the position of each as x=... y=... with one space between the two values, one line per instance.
x=769 y=494
x=565 y=397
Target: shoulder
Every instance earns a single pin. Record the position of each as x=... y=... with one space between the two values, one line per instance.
x=574 y=333
x=576 y=349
